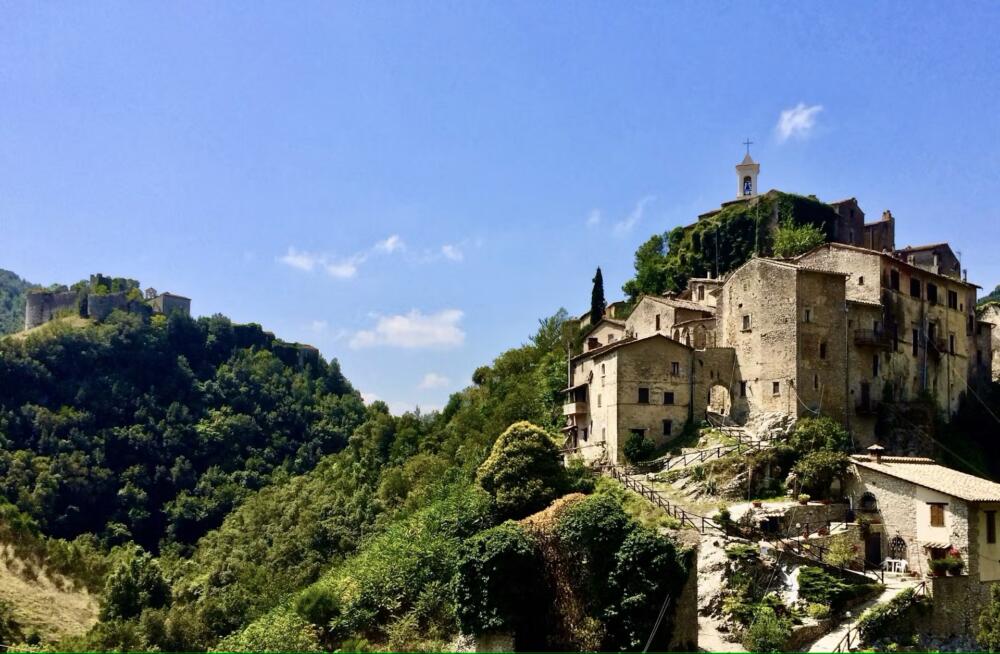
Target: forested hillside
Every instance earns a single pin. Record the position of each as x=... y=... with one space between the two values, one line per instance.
x=12 y=292
x=215 y=496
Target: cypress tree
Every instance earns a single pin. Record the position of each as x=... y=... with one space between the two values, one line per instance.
x=597 y=303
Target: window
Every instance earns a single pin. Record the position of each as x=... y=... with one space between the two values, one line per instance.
x=822 y=350
x=584 y=433
x=611 y=338
x=743 y=389
x=657 y=322
x=951 y=344
x=668 y=427
x=775 y=388
x=932 y=293
x=643 y=396
x=638 y=433
x=916 y=341
x=991 y=527
x=668 y=397
x=746 y=322
x=937 y=514
x=675 y=368
x=875 y=361
x=808 y=315
x=701 y=292
x=952 y=300
x=914 y=287
x=598 y=400
x=894 y=280
x=602 y=368
x=815 y=382
x=861 y=280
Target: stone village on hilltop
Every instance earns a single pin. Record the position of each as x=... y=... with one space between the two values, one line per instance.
x=837 y=331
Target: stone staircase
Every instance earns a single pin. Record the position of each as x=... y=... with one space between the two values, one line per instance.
x=844 y=637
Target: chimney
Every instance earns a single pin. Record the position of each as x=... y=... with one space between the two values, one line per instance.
x=875 y=451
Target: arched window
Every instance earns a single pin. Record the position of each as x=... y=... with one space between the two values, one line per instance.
x=747 y=185
x=897 y=547
x=868 y=502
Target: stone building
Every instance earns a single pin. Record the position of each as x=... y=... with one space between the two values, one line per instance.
x=168 y=303
x=840 y=330
x=912 y=326
x=42 y=306
x=919 y=511
x=988 y=338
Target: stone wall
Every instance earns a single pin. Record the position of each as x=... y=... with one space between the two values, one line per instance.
x=99 y=307
x=957 y=605
x=42 y=306
x=991 y=314
x=685 y=611
x=881 y=235
x=167 y=303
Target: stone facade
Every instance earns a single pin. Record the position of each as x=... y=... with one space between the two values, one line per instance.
x=99 y=307
x=881 y=235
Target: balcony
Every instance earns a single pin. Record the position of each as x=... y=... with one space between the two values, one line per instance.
x=872 y=338
x=575 y=409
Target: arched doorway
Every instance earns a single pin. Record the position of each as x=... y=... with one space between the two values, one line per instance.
x=719 y=400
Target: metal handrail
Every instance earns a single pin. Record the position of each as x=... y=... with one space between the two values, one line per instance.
x=687 y=518
x=851 y=638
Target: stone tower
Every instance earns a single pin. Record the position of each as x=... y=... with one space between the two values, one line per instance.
x=746 y=177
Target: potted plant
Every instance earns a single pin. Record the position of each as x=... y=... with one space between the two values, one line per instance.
x=954 y=565
x=939 y=567
x=804 y=498
x=757 y=503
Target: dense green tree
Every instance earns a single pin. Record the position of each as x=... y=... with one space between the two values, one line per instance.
x=817 y=471
x=792 y=240
x=135 y=584
x=597 y=302
x=523 y=472
x=497 y=585
x=638 y=448
x=820 y=433
x=13 y=291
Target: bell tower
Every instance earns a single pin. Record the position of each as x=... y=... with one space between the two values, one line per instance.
x=746 y=175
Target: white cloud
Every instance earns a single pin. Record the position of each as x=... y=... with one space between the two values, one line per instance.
x=345 y=268
x=594 y=218
x=452 y=252
x=300 y=260
x=391 y=244
x=433 y=380
x=318 y=326
x=368 y=398
x=625 y=226
x=797 y=122
x=413 y=330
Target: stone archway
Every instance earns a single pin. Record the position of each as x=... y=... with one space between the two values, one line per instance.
x=720 y=400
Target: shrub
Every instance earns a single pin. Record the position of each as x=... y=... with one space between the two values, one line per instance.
x=767 y=631
x=818 y=586
x=889 y=620
x=638 y=448
x=279 y=631
x=523 y=473
x=318 y=605
x=593 y=530
x=841 y=552
x=818 y=611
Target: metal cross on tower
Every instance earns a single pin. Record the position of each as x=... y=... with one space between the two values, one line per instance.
x=748 y=143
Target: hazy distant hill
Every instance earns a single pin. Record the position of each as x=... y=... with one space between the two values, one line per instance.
x=12 y=292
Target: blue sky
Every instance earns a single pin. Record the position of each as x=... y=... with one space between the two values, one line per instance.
x=410 y=186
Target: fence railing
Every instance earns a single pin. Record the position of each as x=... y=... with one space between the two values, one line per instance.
x=687 y=518
x=852 y=638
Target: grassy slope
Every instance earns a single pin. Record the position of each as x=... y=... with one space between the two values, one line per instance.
x=44 y=602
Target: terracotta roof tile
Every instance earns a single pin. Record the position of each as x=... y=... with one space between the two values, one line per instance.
x=927 y=473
